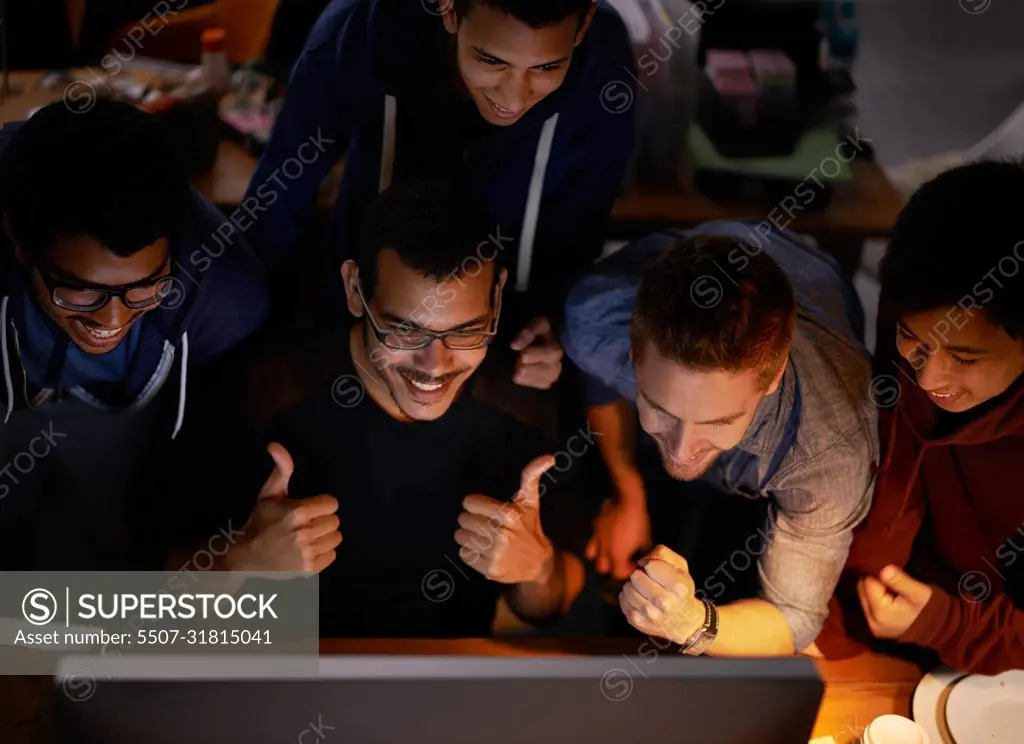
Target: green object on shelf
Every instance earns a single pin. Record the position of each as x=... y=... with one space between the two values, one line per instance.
x=816 y=145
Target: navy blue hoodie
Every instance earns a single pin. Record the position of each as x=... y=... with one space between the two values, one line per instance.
x=209 y=310
x=375 y=84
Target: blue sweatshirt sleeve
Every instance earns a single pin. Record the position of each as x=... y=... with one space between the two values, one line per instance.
x=598 y=314
x=312 y=131
x=232 y=300
x=596 y=337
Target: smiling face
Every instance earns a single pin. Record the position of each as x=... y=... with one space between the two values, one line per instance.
x=960 y=358
x=507 y=66
x=418 y=384
x=82 y=260
x=694 y=416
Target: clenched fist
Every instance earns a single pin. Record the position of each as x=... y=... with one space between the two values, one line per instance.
x=659 y=598
x=892 y=602
x=283 y=534
x=504 y=540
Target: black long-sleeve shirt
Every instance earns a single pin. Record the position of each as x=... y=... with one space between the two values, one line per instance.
x=399 y=485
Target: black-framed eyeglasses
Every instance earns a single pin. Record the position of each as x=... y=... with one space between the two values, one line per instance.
x=407 y=337
x=87 y=298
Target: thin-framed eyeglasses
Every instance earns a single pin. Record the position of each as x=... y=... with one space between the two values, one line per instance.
x=407 y=337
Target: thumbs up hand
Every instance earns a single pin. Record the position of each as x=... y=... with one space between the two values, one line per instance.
x=276 y=486
x=504 y=541
x=283 y=534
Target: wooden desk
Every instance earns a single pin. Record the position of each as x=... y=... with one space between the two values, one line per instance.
x=857 y=690
x=866 y=208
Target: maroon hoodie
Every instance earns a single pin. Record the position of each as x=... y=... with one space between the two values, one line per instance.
x=949 y=508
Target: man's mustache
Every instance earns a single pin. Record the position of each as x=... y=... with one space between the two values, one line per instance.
x=424 y=379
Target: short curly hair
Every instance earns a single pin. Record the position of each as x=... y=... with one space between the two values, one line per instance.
x=113 y=173
x=434 y=225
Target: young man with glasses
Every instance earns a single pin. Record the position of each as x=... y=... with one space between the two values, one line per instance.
x=380 y=433
x=104 y=335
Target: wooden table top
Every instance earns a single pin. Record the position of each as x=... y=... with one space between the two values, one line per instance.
x=857 y=690
x=864 y=209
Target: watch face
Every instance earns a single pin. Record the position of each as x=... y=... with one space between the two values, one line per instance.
x=705 y=635
x=696 y=647
x=705 y=642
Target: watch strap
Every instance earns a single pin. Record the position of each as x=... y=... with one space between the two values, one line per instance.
x=705 y=635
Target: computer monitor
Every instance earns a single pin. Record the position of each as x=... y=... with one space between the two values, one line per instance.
x=669 y=699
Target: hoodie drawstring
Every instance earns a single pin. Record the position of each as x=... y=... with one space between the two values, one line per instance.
x=533 y=196
x=7 y=362
x=540 y=166
x=182 y=386
x=387 y=155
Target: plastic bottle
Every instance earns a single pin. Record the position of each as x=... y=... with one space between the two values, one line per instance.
x=216 y=70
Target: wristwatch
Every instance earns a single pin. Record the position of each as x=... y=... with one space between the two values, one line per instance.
x=705 y=635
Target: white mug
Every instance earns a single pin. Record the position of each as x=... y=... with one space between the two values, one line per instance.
x=892 y=729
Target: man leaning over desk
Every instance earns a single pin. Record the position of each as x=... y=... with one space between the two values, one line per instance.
x=739 y=358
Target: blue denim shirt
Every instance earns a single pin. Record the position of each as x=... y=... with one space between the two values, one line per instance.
x=812 y=446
